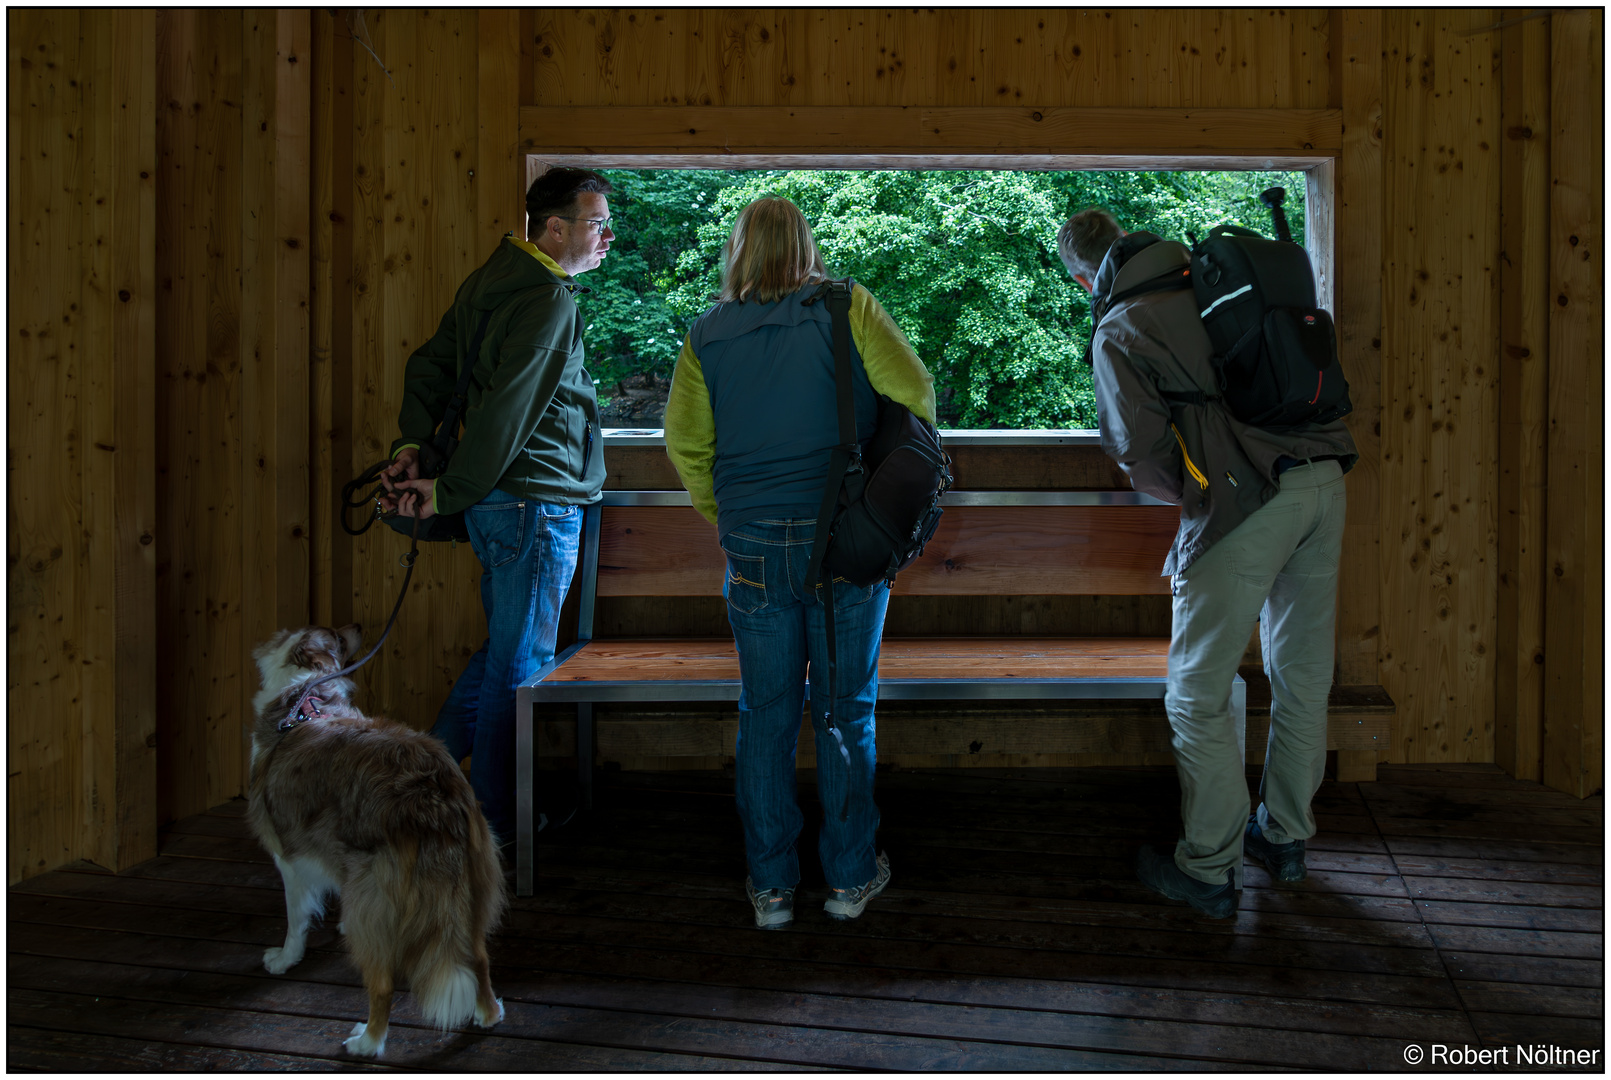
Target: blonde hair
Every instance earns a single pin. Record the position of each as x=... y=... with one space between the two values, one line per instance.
x=771 y=253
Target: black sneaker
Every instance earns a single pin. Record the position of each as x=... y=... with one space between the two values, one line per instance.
x=774 y=908
x=1283 y=861
x=850 y=903
x=1160 y=874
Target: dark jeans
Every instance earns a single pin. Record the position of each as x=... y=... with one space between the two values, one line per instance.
x=779 y=629
x=528 y=555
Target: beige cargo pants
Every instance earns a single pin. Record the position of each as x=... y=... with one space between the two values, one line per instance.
x=1279 y=569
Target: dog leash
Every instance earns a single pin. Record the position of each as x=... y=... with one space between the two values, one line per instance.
x=308 y=700
x=351 y=487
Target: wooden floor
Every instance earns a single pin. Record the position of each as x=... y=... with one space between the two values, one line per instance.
x=1446 y=905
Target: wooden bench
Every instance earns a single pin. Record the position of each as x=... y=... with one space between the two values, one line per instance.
x=653 y=543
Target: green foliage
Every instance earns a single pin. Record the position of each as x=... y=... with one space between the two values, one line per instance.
x=966 y=263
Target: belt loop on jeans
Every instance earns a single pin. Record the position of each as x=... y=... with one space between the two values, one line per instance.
x=1285 y=464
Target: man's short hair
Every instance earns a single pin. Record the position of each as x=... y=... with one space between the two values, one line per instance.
x=553 y=194
x=1084 y=239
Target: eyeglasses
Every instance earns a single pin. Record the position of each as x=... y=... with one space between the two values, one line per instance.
x=599 y=224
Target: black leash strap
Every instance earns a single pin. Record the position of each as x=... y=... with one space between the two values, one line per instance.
x=349 y=503
x=442 y=443
x=446 y=436
x=845 y=461
x=300 y=713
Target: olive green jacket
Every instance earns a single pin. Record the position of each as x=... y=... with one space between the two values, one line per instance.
x=531 y=423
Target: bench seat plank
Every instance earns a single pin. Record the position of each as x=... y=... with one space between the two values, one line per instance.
x=634 y=649
x=629 y=663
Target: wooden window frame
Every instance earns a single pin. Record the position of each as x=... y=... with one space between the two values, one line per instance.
x=788 y=137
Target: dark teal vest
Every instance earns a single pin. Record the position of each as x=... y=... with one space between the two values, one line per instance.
x=769 y=371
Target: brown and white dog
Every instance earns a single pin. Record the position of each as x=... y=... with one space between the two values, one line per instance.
x=381 y=814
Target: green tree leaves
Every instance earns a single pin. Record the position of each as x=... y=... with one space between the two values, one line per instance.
x=965 y=261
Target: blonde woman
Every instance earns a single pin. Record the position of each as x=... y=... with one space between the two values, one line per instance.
x=750 y=426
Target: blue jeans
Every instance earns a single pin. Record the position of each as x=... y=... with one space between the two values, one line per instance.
x=779 y=628
x=528 y=555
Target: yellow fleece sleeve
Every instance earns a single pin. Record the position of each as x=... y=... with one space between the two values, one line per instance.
x=892 y=365
x=691 y=431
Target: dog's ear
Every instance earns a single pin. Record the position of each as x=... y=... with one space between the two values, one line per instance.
x=317 y=651
x=352 y=636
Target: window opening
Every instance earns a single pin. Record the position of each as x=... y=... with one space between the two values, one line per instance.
x=965 y=261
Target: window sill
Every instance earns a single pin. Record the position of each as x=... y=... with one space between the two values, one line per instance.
x=646 y=437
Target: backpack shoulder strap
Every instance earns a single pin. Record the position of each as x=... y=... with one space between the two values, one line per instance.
x=1175 y=279
x=846 y=454
x=846 y=459
x=455 y=409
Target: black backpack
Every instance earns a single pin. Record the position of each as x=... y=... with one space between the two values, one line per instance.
x=881 y=504
x=1275 y=352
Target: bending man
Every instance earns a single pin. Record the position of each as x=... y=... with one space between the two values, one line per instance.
x=1261 y=521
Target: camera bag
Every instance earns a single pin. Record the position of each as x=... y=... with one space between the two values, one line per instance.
x=1275 y=352
x=881 y=503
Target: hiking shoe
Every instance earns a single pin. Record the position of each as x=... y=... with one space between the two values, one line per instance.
x=1159 y=873
x=774 y=908
x=1283 y=861
x=848 y=903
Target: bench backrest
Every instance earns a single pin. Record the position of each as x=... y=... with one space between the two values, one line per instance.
x=1082 y=543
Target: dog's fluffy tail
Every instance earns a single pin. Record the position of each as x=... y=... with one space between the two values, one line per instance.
x=425 y=909
x=445 y=988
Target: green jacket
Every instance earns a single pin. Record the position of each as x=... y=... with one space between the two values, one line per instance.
x=531 y=424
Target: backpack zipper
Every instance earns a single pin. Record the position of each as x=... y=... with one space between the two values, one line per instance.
x=1191 y=467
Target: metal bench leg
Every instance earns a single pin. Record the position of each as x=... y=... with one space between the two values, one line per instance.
x=1239 y=715
x=584 y=753
x=525 y=801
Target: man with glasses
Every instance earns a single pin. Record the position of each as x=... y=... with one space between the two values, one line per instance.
x=528 y=460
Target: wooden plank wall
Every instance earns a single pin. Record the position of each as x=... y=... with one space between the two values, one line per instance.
x=1231 y=58
x=1524 y=362
x=274 y=417
x=81 y=503
x=199 y=571
x=330 y=324
x=1574 y=633
x=1440 y=375
x=1356 y=65
x=287 y=230
x=232 y=410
